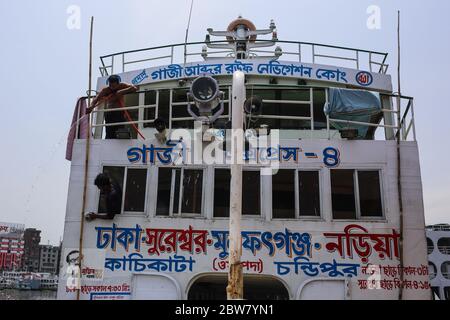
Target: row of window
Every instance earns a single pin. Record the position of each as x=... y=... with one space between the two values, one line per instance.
x=356 y=194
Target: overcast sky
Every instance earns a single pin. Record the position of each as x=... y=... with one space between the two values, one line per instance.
x=45 y=68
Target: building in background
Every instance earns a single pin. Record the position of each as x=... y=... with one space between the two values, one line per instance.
x=11 y=246
x=49 y=258
x=438 y=242
x=32 y=238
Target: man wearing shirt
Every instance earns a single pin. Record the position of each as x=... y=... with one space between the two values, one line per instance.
x=113 y=198
x=113 y=95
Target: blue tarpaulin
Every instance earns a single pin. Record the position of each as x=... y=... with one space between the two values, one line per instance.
x=353 y=105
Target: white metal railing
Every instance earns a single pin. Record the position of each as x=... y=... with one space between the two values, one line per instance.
x=439 y=227
x=401 y=126
x=306 y=52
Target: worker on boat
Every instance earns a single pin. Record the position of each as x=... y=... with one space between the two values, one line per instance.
x=113 y=95
x=113 y=198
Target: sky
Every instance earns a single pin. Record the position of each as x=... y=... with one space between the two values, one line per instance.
x=44 y=68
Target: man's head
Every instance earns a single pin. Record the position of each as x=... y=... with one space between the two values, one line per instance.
x=73 y=257
x=113 y=81
x=160 y=124
x=103 y=182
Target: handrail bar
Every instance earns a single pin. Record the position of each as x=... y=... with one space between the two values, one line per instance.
x=402 y=129
x=301 y=47
x=224 y=41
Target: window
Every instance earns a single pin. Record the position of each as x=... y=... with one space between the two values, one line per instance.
x=116 y=175
x=292 y=199
x=135 y=190
x=191 y=201
x=164 y=188
x=283 y=194
x=133 y=181
x=343 y=194
x=251 y=193
x=222 y=179
x=180 y=191
x=356 y=194
x=309 y=193
x=369 y=193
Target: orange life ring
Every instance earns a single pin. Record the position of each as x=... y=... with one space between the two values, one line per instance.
x=233 y=25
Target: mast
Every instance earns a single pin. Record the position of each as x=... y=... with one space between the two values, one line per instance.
x=235 y=288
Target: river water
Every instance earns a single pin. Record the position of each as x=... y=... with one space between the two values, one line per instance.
x=12 y=294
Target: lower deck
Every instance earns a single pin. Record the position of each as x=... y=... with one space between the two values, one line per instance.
x=319 y=228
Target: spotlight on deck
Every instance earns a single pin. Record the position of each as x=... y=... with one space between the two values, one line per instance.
x=253 y=106
x=206 y=95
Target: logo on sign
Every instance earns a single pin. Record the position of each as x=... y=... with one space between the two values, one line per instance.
x=364 y=78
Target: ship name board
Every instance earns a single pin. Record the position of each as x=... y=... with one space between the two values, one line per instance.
x=307 y=71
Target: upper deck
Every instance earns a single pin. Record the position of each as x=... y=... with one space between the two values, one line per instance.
x=293 y=80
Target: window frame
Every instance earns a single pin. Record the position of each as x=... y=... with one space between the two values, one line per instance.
x=180 y=214
x=358 y=216
x=297 y=195
x=246 y=216
x=147 y=177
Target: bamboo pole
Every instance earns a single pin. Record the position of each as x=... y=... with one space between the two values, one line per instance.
x=399 y=170
x=86 y=162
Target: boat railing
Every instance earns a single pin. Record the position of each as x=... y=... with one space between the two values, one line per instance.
x=439 y=227
x=305 y=52
x=397 y=122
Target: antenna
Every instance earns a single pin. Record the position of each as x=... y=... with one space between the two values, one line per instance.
x=187 y=32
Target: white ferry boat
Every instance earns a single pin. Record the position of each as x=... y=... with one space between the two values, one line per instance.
x=23 y=280
x=331 y=197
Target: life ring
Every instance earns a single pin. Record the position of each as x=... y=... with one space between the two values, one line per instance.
x=234 y=24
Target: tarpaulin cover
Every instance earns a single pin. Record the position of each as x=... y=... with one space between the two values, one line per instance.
x=353 y=105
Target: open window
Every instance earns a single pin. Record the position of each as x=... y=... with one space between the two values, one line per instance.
x=180 y=191
x=295 y=194
x=133 y=184
x=356 y=194
x=251 y=193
